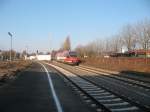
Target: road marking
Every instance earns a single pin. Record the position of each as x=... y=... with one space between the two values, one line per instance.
x=57 y=102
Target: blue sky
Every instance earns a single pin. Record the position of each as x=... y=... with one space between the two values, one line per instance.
x=44 y=24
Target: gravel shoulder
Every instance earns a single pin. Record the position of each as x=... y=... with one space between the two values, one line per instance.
x=9 y=70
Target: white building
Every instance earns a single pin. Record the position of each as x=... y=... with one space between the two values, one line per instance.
x=32 y=57
x=39 y=57
x=43 y=57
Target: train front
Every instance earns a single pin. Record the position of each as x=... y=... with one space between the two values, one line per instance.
x=73 y=59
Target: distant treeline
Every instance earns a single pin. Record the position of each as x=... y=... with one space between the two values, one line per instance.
x=130 y=37
x=5 y=55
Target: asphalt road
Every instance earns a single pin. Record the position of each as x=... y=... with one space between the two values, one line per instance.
x=31 y=92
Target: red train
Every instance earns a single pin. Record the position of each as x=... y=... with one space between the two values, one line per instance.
x=69 y=57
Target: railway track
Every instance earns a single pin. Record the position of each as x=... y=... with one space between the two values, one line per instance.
x=132 y=82
x=129 y=80
x=143 y=85
x=132 y=92
x=104 y=98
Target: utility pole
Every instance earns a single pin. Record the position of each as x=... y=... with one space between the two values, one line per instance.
x=10 y=45
x=27 y=50
x=50 y=43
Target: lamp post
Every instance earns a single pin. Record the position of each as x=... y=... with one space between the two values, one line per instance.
x=10 y=45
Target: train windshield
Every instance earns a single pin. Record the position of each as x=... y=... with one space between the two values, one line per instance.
x=73 y=54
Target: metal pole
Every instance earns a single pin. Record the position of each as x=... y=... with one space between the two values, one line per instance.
x=11 y=49
x=27 y=51
x=10 y=45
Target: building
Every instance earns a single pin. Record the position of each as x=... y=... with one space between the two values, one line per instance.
x=38 y=57
x=140 y=53
x=43 y=57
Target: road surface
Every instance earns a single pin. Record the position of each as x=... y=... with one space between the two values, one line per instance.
x=40 y=89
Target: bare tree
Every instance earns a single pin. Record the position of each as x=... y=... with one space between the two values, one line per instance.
x=89 y=49
x=67 y=44
x=107 y=45
x=24 y=52
x=143 y=34
x=80 y=50
x=98 y=47
x=116 y=43
x=6 y=54
x=129 y=38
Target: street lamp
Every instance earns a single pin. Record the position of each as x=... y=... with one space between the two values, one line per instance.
x=10 y=45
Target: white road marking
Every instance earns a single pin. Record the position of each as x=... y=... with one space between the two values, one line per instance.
x=57 y=102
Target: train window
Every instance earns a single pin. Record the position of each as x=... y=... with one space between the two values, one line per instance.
x=73 y=54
